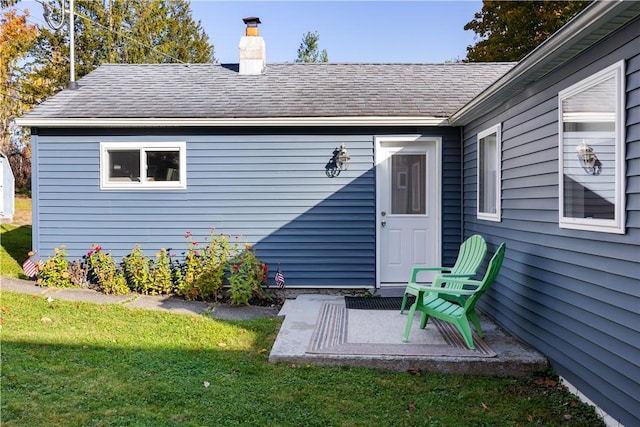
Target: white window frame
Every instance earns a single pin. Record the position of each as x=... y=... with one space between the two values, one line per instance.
x=105 y=184
x=497 y=215
x=616 y=225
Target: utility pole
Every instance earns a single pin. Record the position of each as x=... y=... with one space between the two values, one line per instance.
x=55 y=15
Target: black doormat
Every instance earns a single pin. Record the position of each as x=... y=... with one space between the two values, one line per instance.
x=377 y=303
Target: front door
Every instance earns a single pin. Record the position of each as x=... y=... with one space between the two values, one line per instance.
x=408 y=205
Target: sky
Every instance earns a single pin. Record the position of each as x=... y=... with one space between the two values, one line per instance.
x=350 y=31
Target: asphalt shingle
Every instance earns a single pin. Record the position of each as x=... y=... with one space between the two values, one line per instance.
x=284 y=90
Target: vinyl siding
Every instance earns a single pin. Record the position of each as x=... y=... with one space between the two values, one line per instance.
x=574 y=295
x=269 y=189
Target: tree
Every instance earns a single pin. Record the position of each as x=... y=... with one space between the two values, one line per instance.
x=508 y=30
x=115 y=31
x=123 y=31
x=16 y=38
x=309 y=50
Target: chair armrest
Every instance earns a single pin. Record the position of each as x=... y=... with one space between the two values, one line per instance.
x=416 y=270
x=465 y=281
x=448 y=291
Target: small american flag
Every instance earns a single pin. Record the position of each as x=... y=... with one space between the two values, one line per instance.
x=30 y=266
x=279 y=278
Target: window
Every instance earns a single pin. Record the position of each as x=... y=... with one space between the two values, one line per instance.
x=489 y=180
x=591 y=152
x=158 y=165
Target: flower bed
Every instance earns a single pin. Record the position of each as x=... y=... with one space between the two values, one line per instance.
x=216 y=270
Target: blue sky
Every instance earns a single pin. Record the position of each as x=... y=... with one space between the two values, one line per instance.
x=350 y=31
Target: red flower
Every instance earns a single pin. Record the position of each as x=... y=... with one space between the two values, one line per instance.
x=187 y=234
x=235 y=267
x=264 y=267
x=98 y=248
x=89 y=253
x=264 y=276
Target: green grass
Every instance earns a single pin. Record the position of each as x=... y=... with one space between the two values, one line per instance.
x=82 y=364
x=16 y=244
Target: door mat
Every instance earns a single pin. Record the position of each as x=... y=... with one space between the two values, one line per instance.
x=341 y=331
x=377 y=303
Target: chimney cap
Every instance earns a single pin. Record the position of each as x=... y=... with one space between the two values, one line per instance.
x=252 y=20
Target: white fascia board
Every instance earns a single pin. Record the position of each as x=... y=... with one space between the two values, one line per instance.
x=572 y=32
x=230 y=122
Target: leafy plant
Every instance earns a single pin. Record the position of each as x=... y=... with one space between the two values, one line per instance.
x=160 y=274
x=135 y=267
x=203 y=270
x=103 y=272
x=55 y=270
x=247 y=276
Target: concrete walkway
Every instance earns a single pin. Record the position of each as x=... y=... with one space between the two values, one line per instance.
x=300 y=318
x=148 y=302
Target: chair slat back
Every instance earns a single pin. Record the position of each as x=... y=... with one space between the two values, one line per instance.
x=471 y=254
x=493 y=269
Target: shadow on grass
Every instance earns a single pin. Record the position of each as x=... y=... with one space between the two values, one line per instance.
x=17 y=243
x=111 y=385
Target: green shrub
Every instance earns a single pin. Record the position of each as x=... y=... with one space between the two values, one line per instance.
x=247 y=275
x=103 y=272
x=55 y=270
x=135 y=267
x=160 y=274
x=203 y=270
x=200 y=276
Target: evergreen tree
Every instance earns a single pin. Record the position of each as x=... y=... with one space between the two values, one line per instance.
x=122 y=31
x=309 y=50
x=508 y=30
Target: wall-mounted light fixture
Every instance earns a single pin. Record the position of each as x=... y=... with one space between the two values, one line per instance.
x=338 y=163
x=588 y=159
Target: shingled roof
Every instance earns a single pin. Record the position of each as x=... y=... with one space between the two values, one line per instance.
x=286 y=90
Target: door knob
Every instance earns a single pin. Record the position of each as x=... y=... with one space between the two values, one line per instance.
x=383 y=223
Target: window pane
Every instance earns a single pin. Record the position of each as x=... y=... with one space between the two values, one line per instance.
x=488 y=174
x=124 y=165
x=408 y=180
x=163 y=166
x=589 y=152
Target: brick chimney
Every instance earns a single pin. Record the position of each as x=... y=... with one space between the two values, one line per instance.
x=253 y=58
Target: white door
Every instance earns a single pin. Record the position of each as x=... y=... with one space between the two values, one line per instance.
x=408 y=207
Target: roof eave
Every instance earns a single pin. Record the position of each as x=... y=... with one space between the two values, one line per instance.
x=553 y=52
x=229 y=122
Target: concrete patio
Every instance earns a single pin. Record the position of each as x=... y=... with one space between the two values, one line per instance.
x=301 y=315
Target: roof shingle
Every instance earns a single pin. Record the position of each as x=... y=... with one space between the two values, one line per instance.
x=284 y=90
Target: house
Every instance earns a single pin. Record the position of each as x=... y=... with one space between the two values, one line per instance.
x=7 y=190
x=347 y=174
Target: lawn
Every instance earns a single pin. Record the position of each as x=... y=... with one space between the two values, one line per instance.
x=83 y=364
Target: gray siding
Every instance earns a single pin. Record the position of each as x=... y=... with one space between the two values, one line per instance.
x=269 y=189
x=574 y=295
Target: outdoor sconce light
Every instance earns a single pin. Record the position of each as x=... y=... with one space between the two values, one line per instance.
x=588 y=159
x=338 y=163
x=343 y=159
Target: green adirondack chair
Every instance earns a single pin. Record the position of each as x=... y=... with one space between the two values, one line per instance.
x=470 y=257
x=429 y=302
